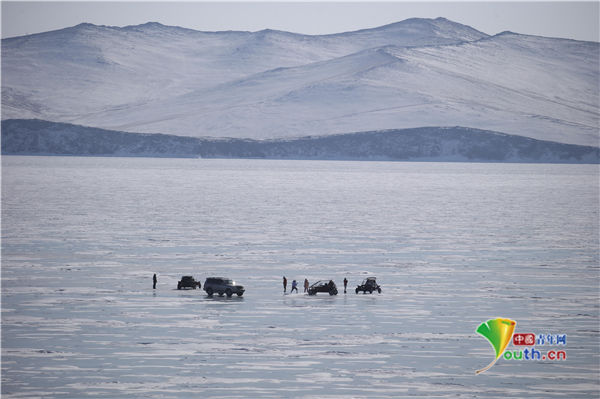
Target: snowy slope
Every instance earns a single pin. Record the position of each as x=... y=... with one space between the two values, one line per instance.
x=99 y=68
x=536 y=87
x=269 y=84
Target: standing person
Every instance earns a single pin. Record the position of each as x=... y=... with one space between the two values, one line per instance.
x=154 y=280
x=305 y=285
x=294 y=286
x=345 y=284
x=284 y=284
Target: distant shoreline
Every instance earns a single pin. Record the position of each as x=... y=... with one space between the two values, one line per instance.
x=427 y=144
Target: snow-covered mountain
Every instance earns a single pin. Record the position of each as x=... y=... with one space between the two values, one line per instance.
x=272 y=84
x=74 y=73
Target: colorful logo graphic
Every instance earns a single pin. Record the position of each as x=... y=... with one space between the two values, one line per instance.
x=499 y=333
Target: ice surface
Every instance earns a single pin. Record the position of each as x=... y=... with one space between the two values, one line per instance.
x=451 y=244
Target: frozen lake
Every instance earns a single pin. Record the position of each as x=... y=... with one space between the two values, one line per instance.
x=452 y=245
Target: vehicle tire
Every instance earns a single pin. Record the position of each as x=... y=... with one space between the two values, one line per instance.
x=178 y=286
x=209 y=291
x=240 y=293
x=229 y=292
x=379 y=290
x=370 y=291
x=356 y=290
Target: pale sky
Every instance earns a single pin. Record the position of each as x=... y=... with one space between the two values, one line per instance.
x=567 y=19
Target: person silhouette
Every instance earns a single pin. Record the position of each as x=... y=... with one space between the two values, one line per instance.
x=154 y=281
x=294 y=286
x=284 y=284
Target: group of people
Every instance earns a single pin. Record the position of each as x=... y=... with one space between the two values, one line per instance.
x=295 y=285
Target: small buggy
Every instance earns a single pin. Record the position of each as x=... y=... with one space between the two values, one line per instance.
x=369 y=284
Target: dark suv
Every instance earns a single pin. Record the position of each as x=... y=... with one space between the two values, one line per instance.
x=369 y=284
x=323 y=286
x=188 y=282
x=221 y=285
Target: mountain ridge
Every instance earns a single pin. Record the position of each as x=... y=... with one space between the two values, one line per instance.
x=158 y=25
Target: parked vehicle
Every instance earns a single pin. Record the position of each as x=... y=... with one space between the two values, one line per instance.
x=222 y=285
x=188 y=282
x=369 y=284
x=323 y=286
